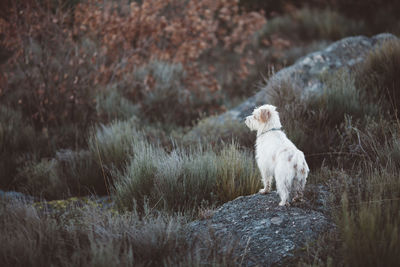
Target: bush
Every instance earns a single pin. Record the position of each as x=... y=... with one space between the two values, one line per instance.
x=91 y=236
x=112 y=145
x=90 y=239
x=370 y=225
x=237 y=174
x=341 y=97
x=367 y=184
x=50 y=81
x=179 y=181
x=379 y=75
x=136 y=182
x=82 y=173
x=153 y=42
x=17 y=139
x=189 y=181
x=312 y=24
x=217 y=131
x=111 y=105
x=42 y=179
x=378 y=16
x=165 y=97
x=184 y=179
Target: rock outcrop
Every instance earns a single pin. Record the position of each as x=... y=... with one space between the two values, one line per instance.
x=306 y=72
x=263 y=232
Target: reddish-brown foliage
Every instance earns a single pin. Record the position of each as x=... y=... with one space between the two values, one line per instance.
x=61 y=71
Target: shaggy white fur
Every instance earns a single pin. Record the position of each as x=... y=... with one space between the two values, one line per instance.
x=277 y=156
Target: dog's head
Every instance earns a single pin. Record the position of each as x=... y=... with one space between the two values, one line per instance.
x=263 y=118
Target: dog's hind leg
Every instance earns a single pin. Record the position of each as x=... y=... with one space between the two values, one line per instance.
x=283 y=192
x=283 y=178
x=267 y=185
x=301 y=177
x=267 y=182
x=297 y=189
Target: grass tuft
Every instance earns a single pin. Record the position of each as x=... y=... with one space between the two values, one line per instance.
x=379 y=75
x=186 y=179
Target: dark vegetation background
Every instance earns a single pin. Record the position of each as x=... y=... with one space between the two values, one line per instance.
x=113 y=98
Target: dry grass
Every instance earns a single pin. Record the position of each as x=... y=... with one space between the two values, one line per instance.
x=185 y=179
x=93 y=236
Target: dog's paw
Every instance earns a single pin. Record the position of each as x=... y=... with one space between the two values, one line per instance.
x=264 y=191
x=298 y=199
x=283 y=203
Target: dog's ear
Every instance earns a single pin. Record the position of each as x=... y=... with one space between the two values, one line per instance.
x=265 y=114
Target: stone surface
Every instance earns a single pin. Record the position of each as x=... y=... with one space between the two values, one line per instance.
x=305 y=73
x=265 y=233
x=12 y=195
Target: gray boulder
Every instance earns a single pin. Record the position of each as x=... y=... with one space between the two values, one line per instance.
x=262 y=232
x=306 y=72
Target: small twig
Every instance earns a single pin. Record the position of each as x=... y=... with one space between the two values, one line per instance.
x=245 y=251
x=155 y=205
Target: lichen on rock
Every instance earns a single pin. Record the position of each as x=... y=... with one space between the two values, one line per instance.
x=265 y=233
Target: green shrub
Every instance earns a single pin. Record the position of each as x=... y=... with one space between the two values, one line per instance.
x=69 y=173
x=111 y=105
x=164 y=94
x=217 y=131
x=237 y=174
x=341 y=97
x=42 y=179
x=110 y=148
x=177 y=181
x=136 y=182
x=183 y=180
x=312 y=24
x=188 y=180
x=111 y=145
x=84 y=171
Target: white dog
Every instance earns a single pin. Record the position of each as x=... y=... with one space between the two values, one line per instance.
x=277 y=156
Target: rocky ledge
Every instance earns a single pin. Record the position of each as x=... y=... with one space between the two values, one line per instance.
x=263 y=233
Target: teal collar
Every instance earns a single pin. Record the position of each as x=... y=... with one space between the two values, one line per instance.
x=270 y=130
